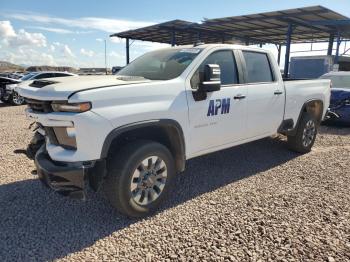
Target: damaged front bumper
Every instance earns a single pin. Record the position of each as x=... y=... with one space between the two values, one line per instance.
x=69 y=179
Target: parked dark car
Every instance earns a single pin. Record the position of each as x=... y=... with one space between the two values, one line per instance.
x=340 y=98
x=5 y=82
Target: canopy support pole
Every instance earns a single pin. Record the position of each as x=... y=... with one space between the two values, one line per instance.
x=279 y=48
x=288 y=43
x=336 y=59
x=330 y=44
x=127 y=47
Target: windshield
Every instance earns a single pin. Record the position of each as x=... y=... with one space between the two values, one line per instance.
x=161 y=65
x=28 y=76
x=339 y=81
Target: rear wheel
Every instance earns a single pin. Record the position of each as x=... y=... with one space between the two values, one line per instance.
x=305 y=136
x=138 y=178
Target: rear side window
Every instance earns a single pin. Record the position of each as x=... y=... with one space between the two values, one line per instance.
x=227 y=63
x=258 y=67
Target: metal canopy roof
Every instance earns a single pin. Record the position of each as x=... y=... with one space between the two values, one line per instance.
x=186 y=33
x=310 y=24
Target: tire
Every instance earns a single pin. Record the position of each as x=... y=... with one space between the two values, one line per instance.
x=128 y=180
x=305 y=136
x=16 y=99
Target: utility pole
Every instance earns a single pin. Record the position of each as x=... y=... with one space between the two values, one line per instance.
x=106 y=56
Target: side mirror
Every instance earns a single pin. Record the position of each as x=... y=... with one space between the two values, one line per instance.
x=211 y=79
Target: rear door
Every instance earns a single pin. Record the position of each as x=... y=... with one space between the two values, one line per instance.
x=218 y=118
x=265 y=94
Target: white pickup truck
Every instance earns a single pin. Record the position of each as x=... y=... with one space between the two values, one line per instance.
x=135 y=130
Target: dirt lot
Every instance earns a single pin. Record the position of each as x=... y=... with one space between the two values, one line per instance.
x=253 y=202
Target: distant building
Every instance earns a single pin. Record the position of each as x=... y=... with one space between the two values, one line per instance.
x=92 y=71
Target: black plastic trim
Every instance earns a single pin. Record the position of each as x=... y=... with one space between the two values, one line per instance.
x=65 y=178
x=157 y=122
x=286 y=126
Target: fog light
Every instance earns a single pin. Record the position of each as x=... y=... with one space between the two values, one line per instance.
x=66 y=137
x=71 y=132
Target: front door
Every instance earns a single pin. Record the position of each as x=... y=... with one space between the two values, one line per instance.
x=218 y=119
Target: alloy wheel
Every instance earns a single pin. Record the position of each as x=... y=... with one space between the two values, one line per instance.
x=309 y=133
x=148 y=180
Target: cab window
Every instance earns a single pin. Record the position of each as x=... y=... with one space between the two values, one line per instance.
x=258 y=67
x=227 y=63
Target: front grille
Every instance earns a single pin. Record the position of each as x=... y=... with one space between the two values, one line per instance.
x=39 y=106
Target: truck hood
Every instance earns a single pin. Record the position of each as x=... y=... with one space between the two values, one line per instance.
x=60 y=88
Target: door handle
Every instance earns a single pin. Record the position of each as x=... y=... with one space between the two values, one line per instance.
x=278 y=92
x=239 y=96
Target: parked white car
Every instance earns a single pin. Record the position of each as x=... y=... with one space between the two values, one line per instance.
x=10 y=95
x=136 y=129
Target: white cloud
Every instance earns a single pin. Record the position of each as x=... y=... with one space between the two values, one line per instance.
x=52 y=48
x=88 y=53
x=22 y=38
x=52 y=29
x=29 y=57
x=6 y=29
x=67 y=52
x=59 y=30
x=97 y=23
x=99 y=39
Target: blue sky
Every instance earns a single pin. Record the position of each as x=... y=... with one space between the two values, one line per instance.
x=72 y=32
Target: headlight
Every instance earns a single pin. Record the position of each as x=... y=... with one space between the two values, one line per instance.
x=74 y=107
x=11 y=86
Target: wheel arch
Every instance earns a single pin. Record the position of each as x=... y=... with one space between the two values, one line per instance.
x=165 y=131
x=314 y=107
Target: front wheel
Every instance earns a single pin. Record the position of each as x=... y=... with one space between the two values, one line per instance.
x=305 y=136
x=139 y=177
x=16 y=99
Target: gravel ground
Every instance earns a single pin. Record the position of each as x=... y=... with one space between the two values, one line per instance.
x=256 y=202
